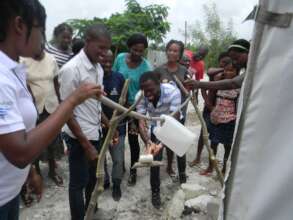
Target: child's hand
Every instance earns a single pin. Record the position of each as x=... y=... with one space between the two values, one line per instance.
x=115 y=139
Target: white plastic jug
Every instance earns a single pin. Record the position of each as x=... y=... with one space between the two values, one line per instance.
x=174 y=135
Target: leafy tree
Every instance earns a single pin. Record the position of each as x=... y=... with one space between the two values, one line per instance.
x=79 y=25
x=150 y=20
x=213 y=33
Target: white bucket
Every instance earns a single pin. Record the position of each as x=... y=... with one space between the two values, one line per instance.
x=174 y=135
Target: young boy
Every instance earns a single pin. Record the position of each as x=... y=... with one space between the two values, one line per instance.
x=113 y=84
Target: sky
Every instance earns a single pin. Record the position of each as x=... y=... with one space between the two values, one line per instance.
x=180 y=11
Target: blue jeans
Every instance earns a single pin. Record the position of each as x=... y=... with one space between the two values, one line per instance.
x=82 y=178
x=117 y=154
x=10 y=211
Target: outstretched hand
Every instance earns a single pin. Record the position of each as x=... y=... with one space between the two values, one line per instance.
x=115 y=139
x=191 y=84
x=85 y=91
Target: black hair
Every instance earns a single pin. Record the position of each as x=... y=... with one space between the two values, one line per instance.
x=28 y=10
x=77 y=45
x=203 y=47
x=96 y=31
x=240 y=45
x=150 y=75
x=137 y=38
x=179 y=43
x=59 y=29
x=222 y=55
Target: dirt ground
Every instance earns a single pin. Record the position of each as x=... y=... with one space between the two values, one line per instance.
x=135 y=202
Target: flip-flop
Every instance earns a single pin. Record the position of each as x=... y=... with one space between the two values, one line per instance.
x=193 y=164
x=174 y=178
x=26 y=196
x=27 y=200
x=56 y=179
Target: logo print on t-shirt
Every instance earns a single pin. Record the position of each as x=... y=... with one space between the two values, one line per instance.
x=4 y=108
x=114 y=92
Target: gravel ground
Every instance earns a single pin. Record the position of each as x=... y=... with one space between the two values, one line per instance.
x=135 y=202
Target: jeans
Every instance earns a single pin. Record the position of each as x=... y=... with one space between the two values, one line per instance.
x=181 y=161
x=155 y=171
x=117 y=154
x=155 y=174
x=82 y=178
x=133 y=143
x=10 y=211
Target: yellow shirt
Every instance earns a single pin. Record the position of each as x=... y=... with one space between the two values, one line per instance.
x=40 y=78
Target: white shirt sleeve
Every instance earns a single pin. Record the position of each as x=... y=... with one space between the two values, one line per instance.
x=10 y=115
x=68 y=81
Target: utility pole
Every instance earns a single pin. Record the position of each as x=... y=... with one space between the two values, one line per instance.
x=185 y=33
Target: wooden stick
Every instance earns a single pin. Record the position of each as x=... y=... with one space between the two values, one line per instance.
x=131 y=108
x=181 y=106
x=204 y=131
x=115 y=120
x=99 y=188
x=106 y=101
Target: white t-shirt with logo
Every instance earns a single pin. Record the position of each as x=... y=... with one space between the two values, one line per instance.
x=17 y=112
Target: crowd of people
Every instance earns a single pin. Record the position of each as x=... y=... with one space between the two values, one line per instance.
x=49 y=96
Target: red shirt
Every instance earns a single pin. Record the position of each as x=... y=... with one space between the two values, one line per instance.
x=196 y=66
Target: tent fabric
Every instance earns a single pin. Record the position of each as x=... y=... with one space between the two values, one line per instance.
x=261 y=177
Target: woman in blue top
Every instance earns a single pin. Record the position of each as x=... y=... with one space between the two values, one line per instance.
x=132 y=65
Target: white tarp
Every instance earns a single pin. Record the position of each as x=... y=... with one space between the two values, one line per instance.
x=260 y=186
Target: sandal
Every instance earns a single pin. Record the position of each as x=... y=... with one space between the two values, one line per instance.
x=56 y=179
x=194 y=163
x=174 y=178
x=26 y=195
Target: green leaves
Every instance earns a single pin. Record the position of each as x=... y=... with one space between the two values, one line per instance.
x=213 y=33
x=150 y=20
